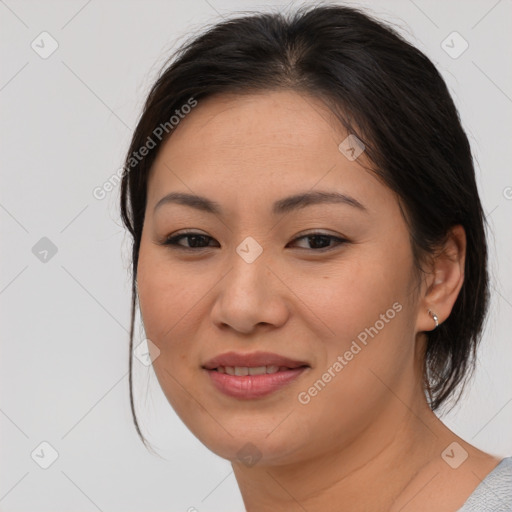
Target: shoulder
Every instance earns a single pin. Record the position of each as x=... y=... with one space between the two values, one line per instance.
x=494 y=493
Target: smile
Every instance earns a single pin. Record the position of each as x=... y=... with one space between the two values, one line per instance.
x=241 y=371
x=252 y=375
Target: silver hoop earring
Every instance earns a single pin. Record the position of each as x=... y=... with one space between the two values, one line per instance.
x=434 y=316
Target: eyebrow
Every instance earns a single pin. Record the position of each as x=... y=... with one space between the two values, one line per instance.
x=281 y=206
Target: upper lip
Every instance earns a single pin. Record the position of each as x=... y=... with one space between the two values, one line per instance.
x=251 y=360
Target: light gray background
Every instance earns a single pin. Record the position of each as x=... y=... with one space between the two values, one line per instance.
x=65 y=127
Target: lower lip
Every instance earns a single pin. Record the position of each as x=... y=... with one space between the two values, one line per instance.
x=253 y=386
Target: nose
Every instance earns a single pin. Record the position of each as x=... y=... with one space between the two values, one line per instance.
x=250 y=296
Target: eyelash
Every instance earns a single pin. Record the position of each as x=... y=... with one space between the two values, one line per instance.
x=172 y=241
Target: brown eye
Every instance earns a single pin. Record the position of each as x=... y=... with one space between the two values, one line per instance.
x=195 y=241
x=321 y=241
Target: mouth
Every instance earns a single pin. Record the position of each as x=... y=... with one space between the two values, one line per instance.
x=242 y=371
x=254 y=361
x=249 y=376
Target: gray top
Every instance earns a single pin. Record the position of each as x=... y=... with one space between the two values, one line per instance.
x=494 y=494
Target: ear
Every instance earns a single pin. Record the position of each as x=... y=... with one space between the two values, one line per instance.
x=444 y=281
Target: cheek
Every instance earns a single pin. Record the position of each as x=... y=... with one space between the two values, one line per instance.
x=166 y=300
x=166 y=295
x=368 y=357
x=366 y=319
x=351 y=295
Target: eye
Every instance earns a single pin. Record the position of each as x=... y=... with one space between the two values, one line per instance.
x=320 y=241
x=196 y=240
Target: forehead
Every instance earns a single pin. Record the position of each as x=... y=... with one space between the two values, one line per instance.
x=263 y=144
x=240 y=123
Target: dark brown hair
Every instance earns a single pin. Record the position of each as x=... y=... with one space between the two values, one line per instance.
x=382 y=89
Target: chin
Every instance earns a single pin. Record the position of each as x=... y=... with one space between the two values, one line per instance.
x=250 y=446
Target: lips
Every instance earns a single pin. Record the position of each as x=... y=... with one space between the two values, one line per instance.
x=252 y=376
x=253 y=360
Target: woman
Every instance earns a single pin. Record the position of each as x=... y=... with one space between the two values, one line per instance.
x=309 y=256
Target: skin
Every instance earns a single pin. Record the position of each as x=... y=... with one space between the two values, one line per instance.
x=368 y=440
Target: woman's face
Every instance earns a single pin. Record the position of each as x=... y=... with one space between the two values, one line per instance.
x=253 y=282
